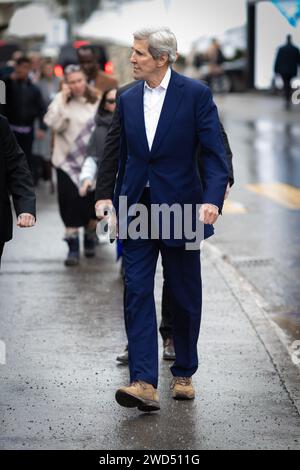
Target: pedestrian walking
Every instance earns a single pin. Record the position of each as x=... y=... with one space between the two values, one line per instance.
x=15 y=180
x=105 y=189
x=163 y=120
x=215 y=60
x=24 y=104
x=48 y=85
x=87 y=58
x=96 y=144
x=71 y=116
x=286 y=65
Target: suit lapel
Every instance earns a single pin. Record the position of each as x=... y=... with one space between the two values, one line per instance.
x=172 y=100
x=139 y=117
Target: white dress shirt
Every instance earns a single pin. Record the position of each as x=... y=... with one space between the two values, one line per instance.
x=153 y=103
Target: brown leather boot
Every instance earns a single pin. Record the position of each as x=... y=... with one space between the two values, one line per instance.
x=139 y=394
x=168 y=350
x=182 y=388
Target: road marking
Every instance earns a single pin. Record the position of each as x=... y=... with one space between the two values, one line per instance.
x=233 y=207
x=285 y=194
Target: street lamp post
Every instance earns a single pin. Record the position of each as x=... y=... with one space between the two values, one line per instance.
x=72 y=17
x=251 y=43
x=79 y=11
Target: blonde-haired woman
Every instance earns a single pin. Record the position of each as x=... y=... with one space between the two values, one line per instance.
x=71 y=115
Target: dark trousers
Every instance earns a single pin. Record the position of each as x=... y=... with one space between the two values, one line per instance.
x=182 y=272
x=26 y=141
x=166 y=324
x=287 y=79
x=75 y=211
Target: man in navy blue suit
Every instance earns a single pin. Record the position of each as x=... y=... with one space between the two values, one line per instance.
x=163 y=120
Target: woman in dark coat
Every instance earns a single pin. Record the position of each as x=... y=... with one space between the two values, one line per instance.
x=97 y=142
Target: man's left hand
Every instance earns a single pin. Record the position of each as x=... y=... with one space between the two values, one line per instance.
x=25 y=220
x=208 y=213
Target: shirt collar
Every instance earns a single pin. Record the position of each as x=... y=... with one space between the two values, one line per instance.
x=164 y=83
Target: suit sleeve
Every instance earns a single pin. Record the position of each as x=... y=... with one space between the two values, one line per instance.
x=96 y=145
x=228 y=155
x=108 y=168
x=215 y=166
x=20 y=184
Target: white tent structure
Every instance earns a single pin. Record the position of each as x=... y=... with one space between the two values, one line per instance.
x=36 y=20
x=31 y=20
x=189 y=19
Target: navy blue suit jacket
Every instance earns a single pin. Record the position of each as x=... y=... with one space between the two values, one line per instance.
x=189 y=117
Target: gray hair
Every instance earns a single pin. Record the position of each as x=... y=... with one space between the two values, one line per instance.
x=161 y=41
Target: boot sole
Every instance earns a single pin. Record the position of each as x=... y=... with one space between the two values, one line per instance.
x=124 y=362
x=169 y=358
x=71 y=262
x=182 y=396
x=130 y=401
x=150 y=407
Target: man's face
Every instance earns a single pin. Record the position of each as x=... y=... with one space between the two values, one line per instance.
x=144 y=66
x=88 y=63
x=48 y=71
x=22 y=71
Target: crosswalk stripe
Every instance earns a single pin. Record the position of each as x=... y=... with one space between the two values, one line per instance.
x=284 y=194
x=233 y=207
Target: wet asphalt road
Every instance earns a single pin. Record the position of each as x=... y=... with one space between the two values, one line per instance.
x=263 y=243
x=63 y=328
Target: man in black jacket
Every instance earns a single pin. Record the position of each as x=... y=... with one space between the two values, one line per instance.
x=15 y=180
x=286 y=65
x=24 y=104
x=104 y=192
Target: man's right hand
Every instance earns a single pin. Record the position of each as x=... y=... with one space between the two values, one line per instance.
x=25 y=220
x=102 y=206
